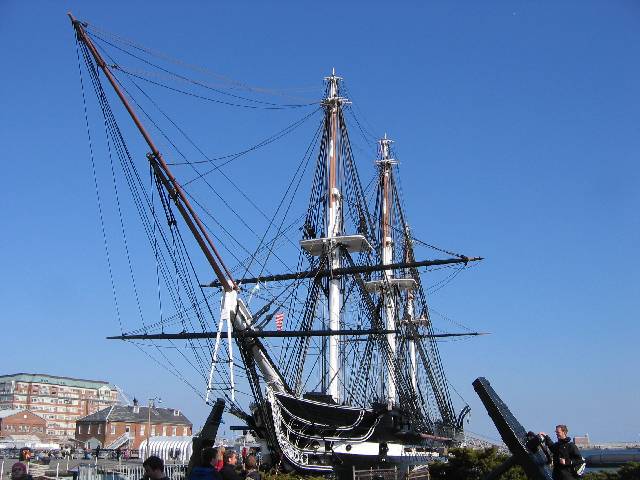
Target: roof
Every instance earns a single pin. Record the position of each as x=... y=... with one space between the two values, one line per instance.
x=8 y=412
x=21 y=438
x=56 y=380
x=126 y=413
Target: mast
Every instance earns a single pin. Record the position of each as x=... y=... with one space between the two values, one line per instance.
x=334 y=229
x=334 y=244
x=233 y=311
x=386 y=244
x=413 y=363
x=163 y=172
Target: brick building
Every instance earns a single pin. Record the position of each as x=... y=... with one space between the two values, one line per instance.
x=59 y=400
x=582 y=441
x=128 y=426
x=21 y=422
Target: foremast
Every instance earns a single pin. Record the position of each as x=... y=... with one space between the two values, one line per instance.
x=333 y=103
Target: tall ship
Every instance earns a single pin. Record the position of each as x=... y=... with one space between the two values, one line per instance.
x=351 y=377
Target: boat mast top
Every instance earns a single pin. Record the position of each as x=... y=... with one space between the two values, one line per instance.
x=386 y=162
x=332 y=104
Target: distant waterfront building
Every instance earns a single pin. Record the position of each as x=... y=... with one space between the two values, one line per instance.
x=582 y=441
x=18 y=423
x=128 y=426
x=59 y=400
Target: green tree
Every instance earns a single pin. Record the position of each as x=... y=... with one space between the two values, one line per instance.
x=469 y=464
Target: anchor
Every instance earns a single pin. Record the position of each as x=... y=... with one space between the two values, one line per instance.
x=526 y=448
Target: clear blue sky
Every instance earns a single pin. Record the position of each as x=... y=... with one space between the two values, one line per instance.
x=518 y=127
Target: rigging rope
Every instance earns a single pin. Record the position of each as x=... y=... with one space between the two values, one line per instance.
x=197 y=68
x=95 y=182
x=268 y=105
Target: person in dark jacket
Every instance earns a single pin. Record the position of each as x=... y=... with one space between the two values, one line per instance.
x=566 y=456
x=229 y=472
x=19 y=472
x=154 y=469
x=206 y=470
x=251 y=468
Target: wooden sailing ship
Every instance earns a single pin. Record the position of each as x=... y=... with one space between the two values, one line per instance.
x=381 y=395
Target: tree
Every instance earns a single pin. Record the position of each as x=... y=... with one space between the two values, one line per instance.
x=468 y=464
x=630 y=471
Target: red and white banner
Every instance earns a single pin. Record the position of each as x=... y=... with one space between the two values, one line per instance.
x=279 y=320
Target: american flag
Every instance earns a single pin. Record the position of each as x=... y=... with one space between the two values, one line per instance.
x=279 y=320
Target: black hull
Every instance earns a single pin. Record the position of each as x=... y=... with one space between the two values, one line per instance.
x=322 y=438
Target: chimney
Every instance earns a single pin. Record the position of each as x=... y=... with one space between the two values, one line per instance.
x=136 y=407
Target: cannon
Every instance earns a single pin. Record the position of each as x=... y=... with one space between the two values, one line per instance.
x=527 y=449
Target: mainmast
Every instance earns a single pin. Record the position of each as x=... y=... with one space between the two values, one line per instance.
x=386 y=244
x=334 y=228
x=334 y=243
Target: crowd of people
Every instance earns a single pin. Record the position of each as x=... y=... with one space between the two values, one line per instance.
x=215 y=464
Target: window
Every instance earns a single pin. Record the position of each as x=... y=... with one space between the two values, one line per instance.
x=174 y=431
x=153 y=430
x=127 y=428
x=89 y=428
x=113 y=429
x=184 y=431
x=99 y=428
x=142 y=428
x=164 y=430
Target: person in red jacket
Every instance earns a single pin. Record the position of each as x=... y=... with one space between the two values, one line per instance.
x=220 y=458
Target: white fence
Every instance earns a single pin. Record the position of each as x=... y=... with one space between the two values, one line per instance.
x=127 y=472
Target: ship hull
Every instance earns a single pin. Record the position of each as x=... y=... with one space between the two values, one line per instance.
x=319 y=438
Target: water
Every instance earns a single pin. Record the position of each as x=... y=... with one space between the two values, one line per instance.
x=602 y=454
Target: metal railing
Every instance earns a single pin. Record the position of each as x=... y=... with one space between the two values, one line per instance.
x=127 y=472
x=375 y=474
x=118 y=442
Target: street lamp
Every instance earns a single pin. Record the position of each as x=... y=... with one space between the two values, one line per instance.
x=152 y=403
